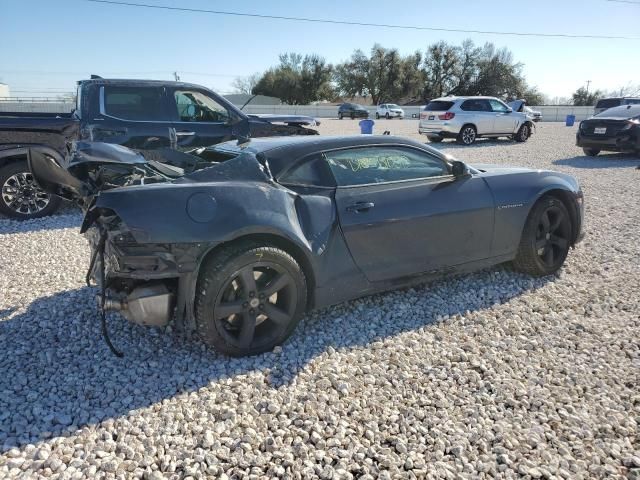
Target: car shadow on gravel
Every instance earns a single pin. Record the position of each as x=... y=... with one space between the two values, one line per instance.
x=67 y=219
x=480 y=143
x=611 y=160
x=59 y=376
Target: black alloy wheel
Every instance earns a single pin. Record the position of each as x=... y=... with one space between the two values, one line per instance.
x=250 y=299
x=546 y=238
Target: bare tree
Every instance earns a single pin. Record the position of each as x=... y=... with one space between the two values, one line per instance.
x=245 y=84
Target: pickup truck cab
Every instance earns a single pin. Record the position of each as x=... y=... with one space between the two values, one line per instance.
x=144 y=115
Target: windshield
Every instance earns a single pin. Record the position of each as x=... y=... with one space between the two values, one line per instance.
x=393 y=105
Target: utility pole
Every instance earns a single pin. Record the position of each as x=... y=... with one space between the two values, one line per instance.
x=588 y=82
x=177 y=77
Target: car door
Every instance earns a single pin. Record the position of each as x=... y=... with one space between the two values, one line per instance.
x=478 y=112
x=201 y=119
x=134 y=116
x=402 y=213
x=504 y=120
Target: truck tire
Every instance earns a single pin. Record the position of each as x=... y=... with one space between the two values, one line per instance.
x=250 y=297
x=20 y=196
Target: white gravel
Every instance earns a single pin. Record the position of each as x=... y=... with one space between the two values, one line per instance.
x=490 y=375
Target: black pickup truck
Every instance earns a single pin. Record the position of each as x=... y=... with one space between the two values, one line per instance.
x=144 y=115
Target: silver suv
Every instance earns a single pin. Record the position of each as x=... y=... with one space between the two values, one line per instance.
x=467 y=118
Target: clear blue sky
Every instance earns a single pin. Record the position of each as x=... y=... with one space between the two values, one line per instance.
x=46 y=45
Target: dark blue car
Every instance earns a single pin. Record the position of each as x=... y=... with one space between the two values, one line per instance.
x=243 y=240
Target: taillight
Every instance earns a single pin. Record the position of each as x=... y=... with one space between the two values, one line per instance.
x=446 y=116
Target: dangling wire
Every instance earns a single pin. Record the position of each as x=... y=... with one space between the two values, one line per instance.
x=103 y=294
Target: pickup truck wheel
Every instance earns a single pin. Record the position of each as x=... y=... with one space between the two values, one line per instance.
x=377 y=116
x=591 y=152
x=250 y=297
x=523 y=134
x=21 y=197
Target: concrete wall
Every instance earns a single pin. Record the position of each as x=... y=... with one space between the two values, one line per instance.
x=549 y=113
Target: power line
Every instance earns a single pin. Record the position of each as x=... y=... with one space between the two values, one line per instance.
x=361 y=24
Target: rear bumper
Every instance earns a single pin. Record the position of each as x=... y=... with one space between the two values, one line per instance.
x=437 y=133
x=444 y=129
x=619 y=143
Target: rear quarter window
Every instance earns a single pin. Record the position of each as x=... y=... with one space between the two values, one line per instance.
x=438 y=106
x=133 y=103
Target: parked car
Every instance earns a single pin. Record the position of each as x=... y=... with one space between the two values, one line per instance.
x=140 y=114
x=467 y=118
x=615 y=129
x=389 y=110
x=534 y=115
x=605 y=103
x=243 y=240
x=352 y=110
x=521 y=106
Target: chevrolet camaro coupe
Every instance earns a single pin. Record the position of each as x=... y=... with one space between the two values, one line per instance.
x=240 y=240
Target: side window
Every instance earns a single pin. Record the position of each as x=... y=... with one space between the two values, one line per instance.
x=475 y=105
x=195 y=106
x=133 y=103
x=363 y=166
x=498 y=106
x=313 y=171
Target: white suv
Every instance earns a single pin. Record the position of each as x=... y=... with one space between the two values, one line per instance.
x=467 y=118
x=389 y=110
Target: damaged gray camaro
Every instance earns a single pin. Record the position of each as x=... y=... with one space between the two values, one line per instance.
x=241 y=241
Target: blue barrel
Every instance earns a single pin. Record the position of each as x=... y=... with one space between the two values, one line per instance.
x=366 y=126
x=570 y=120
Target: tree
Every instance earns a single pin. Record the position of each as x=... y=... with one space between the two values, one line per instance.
x=245 y=84
x=583 y=98
x=297 y=80
x=385 y=75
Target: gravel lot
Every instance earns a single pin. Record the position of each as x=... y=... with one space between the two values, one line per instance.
x=490 y=375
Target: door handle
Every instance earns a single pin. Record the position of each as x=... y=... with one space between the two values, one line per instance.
x=360 y=207
x=185 y=134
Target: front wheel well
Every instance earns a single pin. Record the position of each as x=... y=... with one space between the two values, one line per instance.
x=14 y=158
x=275 y=241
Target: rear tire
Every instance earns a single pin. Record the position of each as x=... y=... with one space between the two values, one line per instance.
x=353 y=116
x=591 y=152
x=339 y=116
x=21 y=197
x=467 y=135
x=523 y=134
x=387 y=116
x=546 y=238
x=377 y=116
x=250 y=297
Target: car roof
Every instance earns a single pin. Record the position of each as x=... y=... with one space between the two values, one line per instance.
x=133 y=82
x=454 y=98
x=282 y=151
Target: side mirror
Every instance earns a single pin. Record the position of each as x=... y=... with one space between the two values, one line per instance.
x=509 y=110
x=459 y=169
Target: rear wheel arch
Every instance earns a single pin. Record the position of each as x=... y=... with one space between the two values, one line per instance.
x=272 y=240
